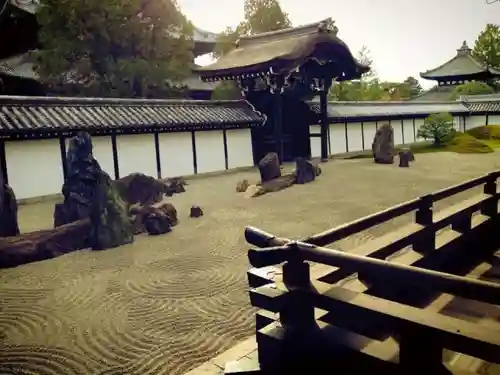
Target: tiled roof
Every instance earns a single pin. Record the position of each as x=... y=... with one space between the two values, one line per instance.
x=435 y=94
x=51 y=114
x=283 y=51
x=462 y=64
x=348 y=110
x=490 y=107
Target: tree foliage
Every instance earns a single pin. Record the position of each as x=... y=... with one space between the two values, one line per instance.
x=123 y=48
x=437 y=127
x=472 y=88
x=260 y=16
x=413 y=86
x=487 y=46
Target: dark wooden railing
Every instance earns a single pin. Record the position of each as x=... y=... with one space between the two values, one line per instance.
x=361 y=311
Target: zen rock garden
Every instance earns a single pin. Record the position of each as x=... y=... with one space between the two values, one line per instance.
x=383 y=149
x=96 y=212
x=272 y=179
x=99 y=213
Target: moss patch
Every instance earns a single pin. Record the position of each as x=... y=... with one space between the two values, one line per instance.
x=461 y=143
x=486 y=132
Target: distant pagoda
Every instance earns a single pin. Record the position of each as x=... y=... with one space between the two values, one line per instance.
x=462 y=68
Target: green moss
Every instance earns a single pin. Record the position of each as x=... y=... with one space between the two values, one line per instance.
x=485 y=132
x=464 y=143
x=461 y=143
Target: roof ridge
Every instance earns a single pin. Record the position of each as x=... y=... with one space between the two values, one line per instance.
x=311 y=28
x=13 y=99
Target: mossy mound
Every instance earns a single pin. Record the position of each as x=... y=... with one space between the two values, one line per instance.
x=486 y=132
x=464 y=143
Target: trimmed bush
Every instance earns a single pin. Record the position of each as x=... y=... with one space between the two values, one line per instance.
x=437 y=127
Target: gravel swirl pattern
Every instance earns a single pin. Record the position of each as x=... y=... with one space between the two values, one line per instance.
x=166 y=304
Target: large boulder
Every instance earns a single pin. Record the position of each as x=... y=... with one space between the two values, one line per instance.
x=157 y=223
x=140 y=188
x=152 y=215
x=305 y=171
x=8 y=211
x=175 y=185
x=89 y=193
x=44 y=244
x=269 y=167
x=383 y=145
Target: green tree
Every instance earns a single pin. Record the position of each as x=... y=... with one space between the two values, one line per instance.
x=264 y=15
x=123 y=48
x=226 y=90
x=411 y=88
x=260 y=16
x=471 y=88
x=487 y=46
x=438 y=127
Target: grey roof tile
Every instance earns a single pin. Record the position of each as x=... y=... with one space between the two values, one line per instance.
x=462 y=64
x=352 y=110
x=18 y=114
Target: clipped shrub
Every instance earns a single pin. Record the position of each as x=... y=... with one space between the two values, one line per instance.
x=485 y=132
x=463 y=143
x=438 y=128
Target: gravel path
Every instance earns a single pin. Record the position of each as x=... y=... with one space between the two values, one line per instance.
x=165 y=304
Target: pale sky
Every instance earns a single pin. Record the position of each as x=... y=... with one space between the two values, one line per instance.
x=404 y=37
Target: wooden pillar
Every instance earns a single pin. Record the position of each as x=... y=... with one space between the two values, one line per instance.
x=64 y=161
x=157 y=154
x=323 y=102
x=3 y=163
x=114 y=149
x=278 y=124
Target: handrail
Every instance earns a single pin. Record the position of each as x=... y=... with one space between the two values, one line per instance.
x=386 y=283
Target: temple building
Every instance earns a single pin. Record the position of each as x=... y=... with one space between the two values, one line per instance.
x=17 y=75
x=462 y=68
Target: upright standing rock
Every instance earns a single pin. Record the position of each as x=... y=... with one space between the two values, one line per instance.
x=269 y=167
x=89 y=192
x=8 y=210
x=305 y=171
x=404 y=158
x=383 y=145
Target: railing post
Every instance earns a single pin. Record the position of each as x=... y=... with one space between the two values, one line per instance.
x=299 y=312
x=490 y=188
x=297 y=316
x=427 y=241
x=420 y=353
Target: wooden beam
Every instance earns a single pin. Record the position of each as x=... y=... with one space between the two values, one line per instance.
x=451 y=333
x=405 y=275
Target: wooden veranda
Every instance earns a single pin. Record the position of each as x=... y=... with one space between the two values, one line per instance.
x=380 y=308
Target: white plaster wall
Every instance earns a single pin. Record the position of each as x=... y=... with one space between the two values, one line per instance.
x=398 y=135
x=475 y=121
x=103 y=153
x=210 y=151
x=136 y=154
x=369 y=129
x=494 y=119
x=34 y=168
x=456 y=123
x=176 y=154
x=337 y=138
x=409 y=137
x=239 y=148
x=316 y=141
x=354 y=140
x=418 y=123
